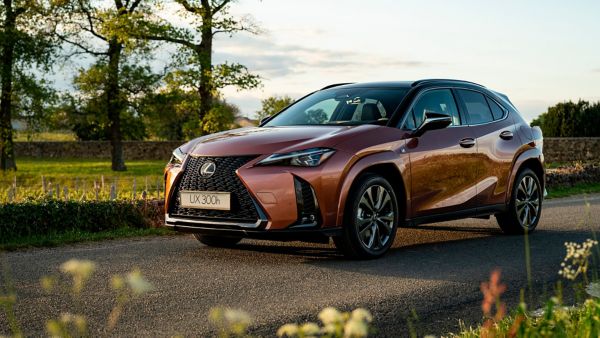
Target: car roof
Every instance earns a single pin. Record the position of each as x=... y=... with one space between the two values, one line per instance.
x=401 y=84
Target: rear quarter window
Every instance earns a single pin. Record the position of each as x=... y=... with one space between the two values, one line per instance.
x=477 y=106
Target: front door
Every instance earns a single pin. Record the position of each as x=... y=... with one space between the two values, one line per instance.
x=442 y=162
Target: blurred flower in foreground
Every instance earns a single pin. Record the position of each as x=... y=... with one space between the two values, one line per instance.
x=80 y=271
x=137 y=282
x=335 y=324
x=229 y=321
x=577 y=259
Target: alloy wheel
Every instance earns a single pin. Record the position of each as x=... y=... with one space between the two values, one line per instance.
x=375 y=217
x=527 y=201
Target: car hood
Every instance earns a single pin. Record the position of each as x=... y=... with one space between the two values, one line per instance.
x=268 y=140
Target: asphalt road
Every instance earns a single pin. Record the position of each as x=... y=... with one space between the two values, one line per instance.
x=433 y=270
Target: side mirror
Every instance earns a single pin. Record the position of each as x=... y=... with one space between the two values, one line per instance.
x=433 y=121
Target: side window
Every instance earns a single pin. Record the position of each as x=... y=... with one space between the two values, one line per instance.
x=497 y=111
x=436 y=101
x=477 y=107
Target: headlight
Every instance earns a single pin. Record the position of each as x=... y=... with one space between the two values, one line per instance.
x=304 y=158
x=177 y=157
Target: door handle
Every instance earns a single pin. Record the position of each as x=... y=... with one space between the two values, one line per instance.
x=506 y=135
x=467 y=142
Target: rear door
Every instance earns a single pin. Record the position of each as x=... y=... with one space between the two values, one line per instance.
x=497 y=144
x=443 y=173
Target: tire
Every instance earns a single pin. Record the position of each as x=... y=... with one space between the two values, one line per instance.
x=370 y=224
x=216 y=241
x=525 y=207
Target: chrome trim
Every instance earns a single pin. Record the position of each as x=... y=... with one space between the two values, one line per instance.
x=200 y=222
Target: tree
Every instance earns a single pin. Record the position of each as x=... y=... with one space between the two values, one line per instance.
x=273 y=105
x=570 y=119
x=86 y=112
x=105 y=33
x=210 y=17
x=25 y=42
x=182 y=120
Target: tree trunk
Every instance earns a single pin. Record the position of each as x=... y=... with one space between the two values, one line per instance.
x=114 y=105
x=7 y=154
x=204 y=51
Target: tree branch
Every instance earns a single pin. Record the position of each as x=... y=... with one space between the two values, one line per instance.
x=80 y=46
x=217 y=8
x=134 y=5
x=188 y=7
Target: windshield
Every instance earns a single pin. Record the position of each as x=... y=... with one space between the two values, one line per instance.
x=350 y=106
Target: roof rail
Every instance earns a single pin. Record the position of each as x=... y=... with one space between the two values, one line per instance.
x=336 y=85
x=443 y=80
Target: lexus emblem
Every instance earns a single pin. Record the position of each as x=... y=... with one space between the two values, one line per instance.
x=208 y=169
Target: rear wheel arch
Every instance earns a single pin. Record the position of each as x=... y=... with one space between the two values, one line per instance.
x=530 y=159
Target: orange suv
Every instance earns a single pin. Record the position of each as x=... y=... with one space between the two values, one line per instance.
x=356 y=161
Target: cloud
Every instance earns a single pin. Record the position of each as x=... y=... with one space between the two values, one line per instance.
x=273 y=60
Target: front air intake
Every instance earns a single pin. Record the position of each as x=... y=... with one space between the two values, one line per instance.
x=306 y=201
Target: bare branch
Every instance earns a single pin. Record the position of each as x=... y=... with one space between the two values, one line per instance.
x=85 y=49
x=188 y=7
x=219 y=7
x=134 y=5
x=183 y=42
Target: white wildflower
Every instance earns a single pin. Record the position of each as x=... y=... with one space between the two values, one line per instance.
x=330 y=315
x=288 y=330
x=356 y=329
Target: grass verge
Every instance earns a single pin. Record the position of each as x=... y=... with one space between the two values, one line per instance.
x=580 y=188
x=56 y=239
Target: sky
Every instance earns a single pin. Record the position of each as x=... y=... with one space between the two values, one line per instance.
x=539 y=53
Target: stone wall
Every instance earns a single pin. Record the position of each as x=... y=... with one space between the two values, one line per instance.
x=565 y=149
x=568 y=149
x=132 y=150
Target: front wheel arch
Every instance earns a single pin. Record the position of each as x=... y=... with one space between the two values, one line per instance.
x=386 y=165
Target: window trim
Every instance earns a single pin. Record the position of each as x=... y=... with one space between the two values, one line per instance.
x=418 y=97
x=487 y=97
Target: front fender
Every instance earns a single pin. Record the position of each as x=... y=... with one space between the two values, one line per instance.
x=360 y=165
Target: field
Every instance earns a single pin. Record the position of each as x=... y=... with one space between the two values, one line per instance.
x=36 y=178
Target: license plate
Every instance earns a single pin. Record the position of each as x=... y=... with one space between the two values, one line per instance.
x=206 y=200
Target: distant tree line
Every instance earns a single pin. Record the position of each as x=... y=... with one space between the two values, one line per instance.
x=570 y=119
x=118 y=96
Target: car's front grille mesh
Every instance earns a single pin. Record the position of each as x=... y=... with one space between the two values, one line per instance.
x=308 y=199
x=224 y=180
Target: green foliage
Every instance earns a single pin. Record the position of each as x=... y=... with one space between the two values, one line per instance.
x=26 y=45
x=50 y=217
x=555 y=321
x=172 y=114
x=79 y=176
x=88 y=116
x=220 y=117
x=273 y=105
x=570 y=119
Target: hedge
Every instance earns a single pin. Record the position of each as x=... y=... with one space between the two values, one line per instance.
x=18 y=220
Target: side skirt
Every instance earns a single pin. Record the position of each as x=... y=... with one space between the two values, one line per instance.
x=481 y=212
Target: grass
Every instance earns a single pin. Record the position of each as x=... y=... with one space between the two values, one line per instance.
x=79 y=175
x=577 y=189
x=81 y=236
x=54 y=136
